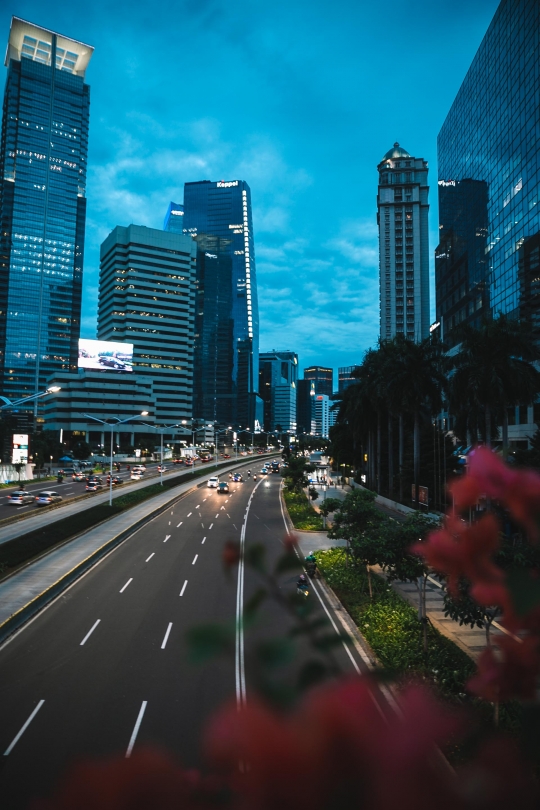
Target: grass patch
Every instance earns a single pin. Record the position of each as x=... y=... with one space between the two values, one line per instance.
x=303 y=516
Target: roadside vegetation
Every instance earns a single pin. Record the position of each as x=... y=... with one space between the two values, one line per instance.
x=303 y=516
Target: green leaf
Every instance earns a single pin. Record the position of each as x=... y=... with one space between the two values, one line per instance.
x=524 y=590
x=275 y=652
x=252 y=605
x=332 y=640
x=311 y=674
x=208 y=641
x=288 y=562
x=254 y=556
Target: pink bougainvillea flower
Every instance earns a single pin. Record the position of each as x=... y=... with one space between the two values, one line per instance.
x=510 y=674
x=230 y=554
x=290 y=541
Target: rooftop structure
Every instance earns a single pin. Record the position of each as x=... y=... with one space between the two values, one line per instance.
x=30 y=41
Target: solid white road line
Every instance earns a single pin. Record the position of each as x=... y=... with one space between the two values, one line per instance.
x=164 y=642
x=136 y=729
x=16 y=739
x=183 y=588
x=150 y=557
x=204 y=538
x=194 y=559
x=167 y=538
x=190 y=514
x=125 y=586
x=210 y=526
x=179 y=525
x=87 y=636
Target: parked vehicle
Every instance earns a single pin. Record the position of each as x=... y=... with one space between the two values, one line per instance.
x=20 y=497
x=47 y=497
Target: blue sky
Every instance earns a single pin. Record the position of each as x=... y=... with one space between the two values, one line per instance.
x=300 y=98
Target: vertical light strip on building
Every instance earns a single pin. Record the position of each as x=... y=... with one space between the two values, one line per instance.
x=248 y=274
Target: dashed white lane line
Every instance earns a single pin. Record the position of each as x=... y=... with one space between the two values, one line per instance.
x=168 y=537
x=18 y=736
x=150 y=557
x=194 y=559
x=183 y=588
x=179 y=524
x=169 y=522
x=210 y=525
x=87 y=636
x=217 y=515
x=164 y=642
x=136 y=729
x=125 y=586
x=204 y=538
x=190 y=514
x=228 y=515
x=198 y=505
x=202 y=524
x=235 y=526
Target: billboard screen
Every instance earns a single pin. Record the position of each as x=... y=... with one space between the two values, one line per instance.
x=102 y=355
x=20 y=448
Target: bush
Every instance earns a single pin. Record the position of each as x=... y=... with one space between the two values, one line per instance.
x=300 y=511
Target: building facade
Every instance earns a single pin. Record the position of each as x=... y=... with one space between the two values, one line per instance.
x=489 y=186
x=278 y=377
x=43 y=155
x=322 y=416
x=322 y=377
x=147 y=298
x=174 y=218
x=223 y=209
x=346 y=377
x=402 y=217
x=305 y=407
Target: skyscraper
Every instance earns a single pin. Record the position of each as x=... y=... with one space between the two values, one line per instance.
x=223 y=209
x=489 y=176
x=346 y=377
x=174 y=218
x=42 y=205
x=147 y=297
x=322 y=377
x=402 y=216
x=305 y=407
x=278 y=378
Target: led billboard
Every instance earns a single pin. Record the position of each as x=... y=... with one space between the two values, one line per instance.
x=19 y=453
x=105 y=355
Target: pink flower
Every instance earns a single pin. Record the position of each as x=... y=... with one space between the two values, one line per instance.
x=512 y=674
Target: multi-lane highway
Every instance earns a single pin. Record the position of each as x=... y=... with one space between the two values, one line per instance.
x=105 y=668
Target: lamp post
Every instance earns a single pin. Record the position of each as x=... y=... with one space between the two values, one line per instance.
x=112 y=425
x=324 y=498
x=8 y=403
x=161 y=429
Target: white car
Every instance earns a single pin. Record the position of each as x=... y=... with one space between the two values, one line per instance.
x=136 y=475
x=21 y=497
x=47 y=497
x=213 y=482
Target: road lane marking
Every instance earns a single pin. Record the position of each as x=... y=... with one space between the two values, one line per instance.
x=167 y=537
x=222 y=508
x=217 y=515
x=179 y=524
x=125 y=586
x=172 y=511
x=136 y=729
x=183 y=588
x=235 y=526
x=194 y=559
x=198 y=505
x=204 y=538
x=228 y=515
x=164 y=642
x=209 y=526
x=150 y=557
x=203 y=500
x=169 y=522
x=190 y=514
x=18 y=736
x=87 y=636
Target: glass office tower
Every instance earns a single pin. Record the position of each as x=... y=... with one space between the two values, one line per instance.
x=489 y=177
x=223 y=209
x=42 y=206
x=322 y=377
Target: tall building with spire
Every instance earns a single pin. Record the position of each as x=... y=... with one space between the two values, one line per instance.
x=43 y=154
x=402 y=216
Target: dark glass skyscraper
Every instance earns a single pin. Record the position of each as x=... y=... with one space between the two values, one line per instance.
x=223 y=210
x=322 y=377
x=489 y=177
x=42 y=206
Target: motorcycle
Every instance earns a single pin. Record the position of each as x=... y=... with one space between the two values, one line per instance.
x=59 y=479
x=302 y=590
x=254 y=477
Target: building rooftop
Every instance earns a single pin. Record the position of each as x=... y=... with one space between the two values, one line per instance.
x=396 y=151
x=30 y=41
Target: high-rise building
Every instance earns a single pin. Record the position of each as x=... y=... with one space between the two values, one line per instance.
x=174 y=218
x=322 y=377
x=223 y=209
x=402 y=216
x=147 y=298
x=346 y=377
x=322 y=419
x=305 y=407
x=489 y=177
x=42 y=206
x=278 y=376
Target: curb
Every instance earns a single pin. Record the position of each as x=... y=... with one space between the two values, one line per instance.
x=32 y=608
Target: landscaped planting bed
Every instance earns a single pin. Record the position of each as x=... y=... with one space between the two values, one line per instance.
x=300 y=511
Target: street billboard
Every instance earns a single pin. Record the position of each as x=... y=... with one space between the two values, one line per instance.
x=19 y=454
x=105 y=355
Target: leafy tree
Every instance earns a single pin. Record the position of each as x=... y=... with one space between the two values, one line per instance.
x=295 y=474
x=465 y=610
x=330 y=505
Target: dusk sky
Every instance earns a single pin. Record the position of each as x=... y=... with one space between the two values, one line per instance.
x=301 y=99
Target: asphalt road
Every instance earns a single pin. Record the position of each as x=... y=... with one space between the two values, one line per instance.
x=105 y=667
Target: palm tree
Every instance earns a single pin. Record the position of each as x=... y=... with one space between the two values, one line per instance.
x=493 y=370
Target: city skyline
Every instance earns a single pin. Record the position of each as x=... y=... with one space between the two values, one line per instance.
x=146 y=141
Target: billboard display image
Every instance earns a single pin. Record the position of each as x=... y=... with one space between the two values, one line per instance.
x=20 y=448
x=102 y=355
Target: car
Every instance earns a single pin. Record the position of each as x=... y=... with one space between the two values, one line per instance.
x=136 y=475
x=20 y=497
x=238 y=478
x=178 y=461
x=67 y=471
x=111 y=362
x=93 y=484
x=78 y=476
x=264 y=471
x=206 y=459
x=47 y=497
x=138 y=468
x=116 y=481
x=188 y=462
x=213 y=482
x=226 y=455
x=223 y=486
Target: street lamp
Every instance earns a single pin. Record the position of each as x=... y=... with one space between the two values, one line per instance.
x=324 y=488
x=161 y=429
x=8 y=403
x=112 y=425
